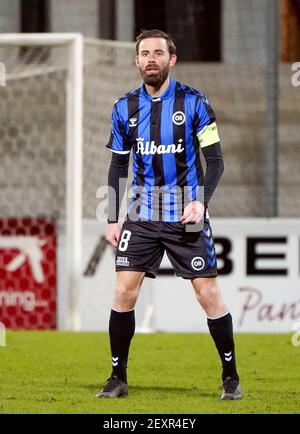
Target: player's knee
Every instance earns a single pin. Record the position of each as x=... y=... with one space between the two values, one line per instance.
x=126 y=294
x=207 y=294
x=207 y=301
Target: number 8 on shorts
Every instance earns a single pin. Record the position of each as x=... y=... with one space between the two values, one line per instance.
x=124 y=241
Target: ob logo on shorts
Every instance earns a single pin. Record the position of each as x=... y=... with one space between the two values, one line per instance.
x=198 y=263
x=178 y=118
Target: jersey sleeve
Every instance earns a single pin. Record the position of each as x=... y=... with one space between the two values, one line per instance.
x=119 y=141
x=205 y=123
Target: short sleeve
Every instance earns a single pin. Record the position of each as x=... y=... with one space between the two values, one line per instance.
x=119 y=141
x=205 y=123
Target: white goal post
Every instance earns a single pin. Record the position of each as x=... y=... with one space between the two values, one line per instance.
x=55 y=115
x=74 y=137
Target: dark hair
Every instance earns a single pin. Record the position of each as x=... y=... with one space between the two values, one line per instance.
x=155 y=33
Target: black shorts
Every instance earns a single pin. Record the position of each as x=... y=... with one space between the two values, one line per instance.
x=142 y=244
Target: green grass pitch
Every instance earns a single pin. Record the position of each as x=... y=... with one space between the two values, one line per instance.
x=58 y=372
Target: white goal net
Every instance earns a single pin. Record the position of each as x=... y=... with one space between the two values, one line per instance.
x=55 y=122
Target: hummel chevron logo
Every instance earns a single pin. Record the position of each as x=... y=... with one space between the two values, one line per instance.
x=209 y=242
x=228 y=356
x=211 y=253
x=115 y=361
x=207 y=233
x=212 y=262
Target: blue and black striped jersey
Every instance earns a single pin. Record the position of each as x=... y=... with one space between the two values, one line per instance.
x=164 y=134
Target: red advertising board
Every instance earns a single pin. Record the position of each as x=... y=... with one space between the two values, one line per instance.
x=28 y=273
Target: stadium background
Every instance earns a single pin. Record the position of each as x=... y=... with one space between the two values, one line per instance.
x=241 y=54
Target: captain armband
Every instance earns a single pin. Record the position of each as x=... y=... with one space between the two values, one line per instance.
x=209 y=135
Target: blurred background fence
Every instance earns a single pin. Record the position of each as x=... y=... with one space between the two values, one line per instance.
x=224 y=49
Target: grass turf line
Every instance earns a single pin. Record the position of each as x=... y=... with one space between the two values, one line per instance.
x=59 y=372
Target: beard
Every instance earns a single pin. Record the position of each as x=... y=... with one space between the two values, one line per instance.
x=156 y=78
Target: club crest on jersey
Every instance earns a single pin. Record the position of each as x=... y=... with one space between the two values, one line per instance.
x=178 y=118
x=150 y=148
x=198 y=263
x=132 y=122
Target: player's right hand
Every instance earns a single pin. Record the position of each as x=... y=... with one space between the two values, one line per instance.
x=113 y=232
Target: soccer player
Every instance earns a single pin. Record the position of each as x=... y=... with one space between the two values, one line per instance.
x=164 y=124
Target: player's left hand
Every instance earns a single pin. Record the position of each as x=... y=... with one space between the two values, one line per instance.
x=193 y=213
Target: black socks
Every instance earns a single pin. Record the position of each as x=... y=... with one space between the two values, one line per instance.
x=222 y=333
x=121 y=331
